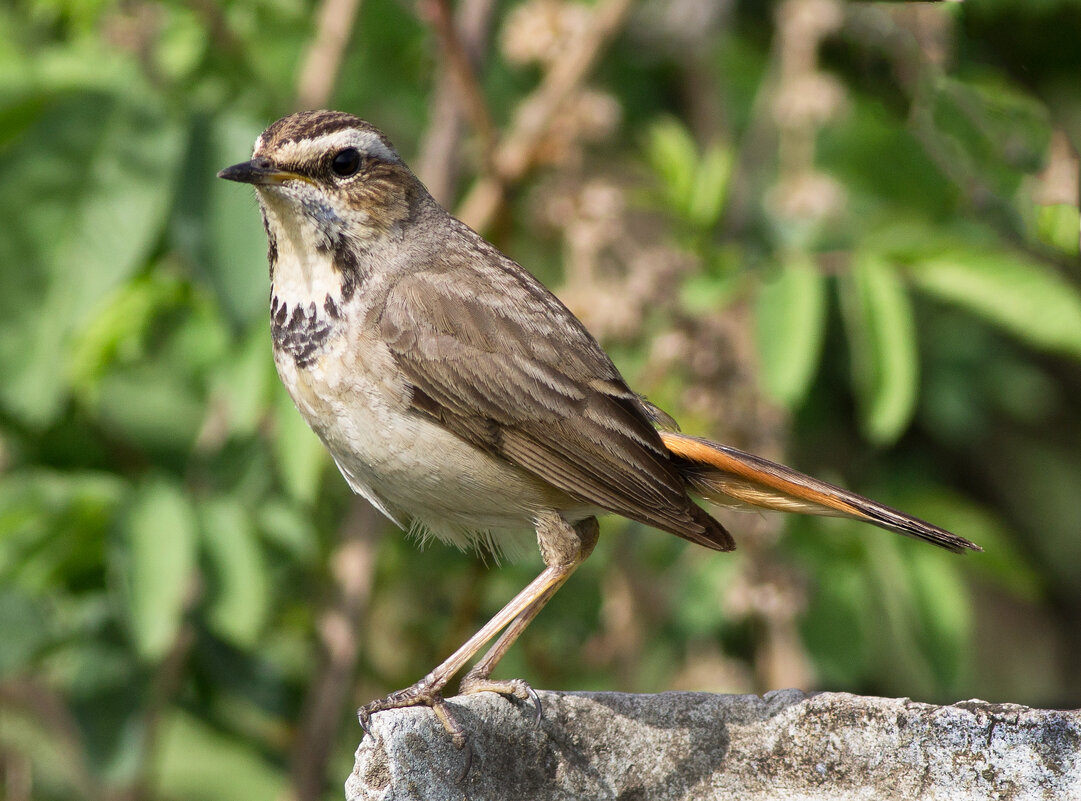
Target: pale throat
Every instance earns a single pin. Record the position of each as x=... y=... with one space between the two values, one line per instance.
x=303 y=272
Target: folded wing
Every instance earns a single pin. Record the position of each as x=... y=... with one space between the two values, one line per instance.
x=509 y=369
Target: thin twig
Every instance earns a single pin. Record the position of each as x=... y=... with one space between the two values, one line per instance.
x=168 y=678
x=463 y=76
x=221 y=35
x=439 y=164
x=352 y=567
x=323 y=60
x=50 y=709
x=518 y=150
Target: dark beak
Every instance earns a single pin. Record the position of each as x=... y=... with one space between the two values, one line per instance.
x=257 y=171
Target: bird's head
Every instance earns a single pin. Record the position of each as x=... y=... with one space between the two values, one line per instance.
x=327 y=177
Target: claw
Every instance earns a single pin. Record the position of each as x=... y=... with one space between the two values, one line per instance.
x=365 y=719
x=467 y=762
x=538 y=709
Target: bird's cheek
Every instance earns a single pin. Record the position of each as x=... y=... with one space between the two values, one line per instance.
x=321 y=213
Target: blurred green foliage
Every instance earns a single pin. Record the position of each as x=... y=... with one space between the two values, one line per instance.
x=170 y=531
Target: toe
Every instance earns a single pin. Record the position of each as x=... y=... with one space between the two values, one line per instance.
x=512 y=687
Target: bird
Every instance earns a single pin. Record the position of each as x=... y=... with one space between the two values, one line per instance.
x=456 y=393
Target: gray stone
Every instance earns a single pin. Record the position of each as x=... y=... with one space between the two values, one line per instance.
x=784 y=746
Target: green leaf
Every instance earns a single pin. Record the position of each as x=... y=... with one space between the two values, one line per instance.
x=1059 y=225
x=301 y=457
x=882 y=340
x=790 y=316
x=892 y=617
x=119 y=327
x=181 y=43
x=24 y=622
x=283 y=525
x=918 y=615
x=699 y=594
x=834 y=627
x=945 y=613
x=242 y=382
x=159 y=533
x=236 y=255
x=1002 y=130
x=1009 y=290
x=54 y=763
x=1002 y=563
x=707 y=196
x=239 y=595
x=201 y=762
x=100 y=171
x=695 y=183
x=674 y=155
x=150 y=406
x=54 y=523
x=723 y=280
x=1037 y=481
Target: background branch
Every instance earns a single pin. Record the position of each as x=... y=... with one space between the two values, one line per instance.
x=323 y=59
x=517 y=150
x=352 y=568
x=439 y=162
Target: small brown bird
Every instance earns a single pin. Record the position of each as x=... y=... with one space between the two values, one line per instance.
x=454 y=390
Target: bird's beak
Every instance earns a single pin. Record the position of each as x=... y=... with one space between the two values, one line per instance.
x=258 y=171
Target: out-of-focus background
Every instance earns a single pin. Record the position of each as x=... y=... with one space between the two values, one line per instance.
x=844 y=235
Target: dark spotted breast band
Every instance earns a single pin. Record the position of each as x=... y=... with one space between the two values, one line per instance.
x=302 y=331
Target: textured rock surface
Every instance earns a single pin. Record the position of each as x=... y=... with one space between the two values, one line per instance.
x=785 y=745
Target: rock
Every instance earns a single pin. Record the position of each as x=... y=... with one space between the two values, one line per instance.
x=784 y=745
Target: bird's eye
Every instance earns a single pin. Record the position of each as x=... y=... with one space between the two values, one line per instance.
x=346 y=162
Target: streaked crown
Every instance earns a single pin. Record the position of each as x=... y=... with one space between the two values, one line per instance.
x=309 y=141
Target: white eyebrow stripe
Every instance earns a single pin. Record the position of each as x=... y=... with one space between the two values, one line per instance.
x=365 y=141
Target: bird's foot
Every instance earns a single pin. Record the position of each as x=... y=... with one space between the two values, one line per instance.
x=423 y=693
x=479 y=683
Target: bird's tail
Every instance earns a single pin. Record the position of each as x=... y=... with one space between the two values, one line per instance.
x=730 y=477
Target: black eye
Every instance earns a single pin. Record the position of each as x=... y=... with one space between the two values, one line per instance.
x=346 y=162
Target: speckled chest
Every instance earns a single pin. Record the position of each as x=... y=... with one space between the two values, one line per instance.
x=301 y=330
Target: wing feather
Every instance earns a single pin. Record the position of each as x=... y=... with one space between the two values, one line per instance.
x=500 y=362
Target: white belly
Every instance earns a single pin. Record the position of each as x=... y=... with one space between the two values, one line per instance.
x=406 y=464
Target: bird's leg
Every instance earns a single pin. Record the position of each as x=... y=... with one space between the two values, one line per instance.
x=563 y=547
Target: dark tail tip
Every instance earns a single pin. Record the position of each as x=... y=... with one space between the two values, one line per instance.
x=920 y=529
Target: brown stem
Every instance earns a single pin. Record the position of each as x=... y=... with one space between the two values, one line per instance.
x=49 y=709
x=518 y=149
x=167 y=679
x=439 y=163
x=462 y=75
x=222 y=36
x=352 y=568
x=323 y=60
